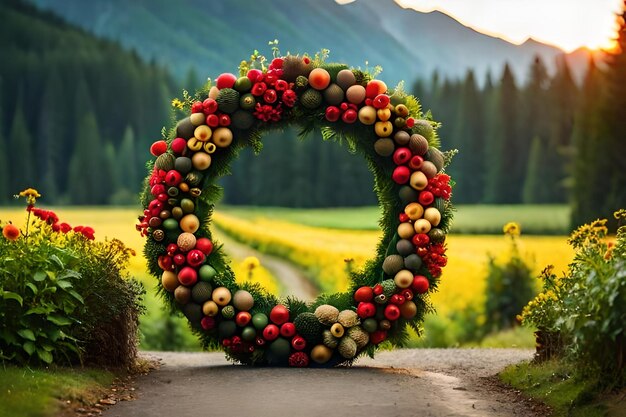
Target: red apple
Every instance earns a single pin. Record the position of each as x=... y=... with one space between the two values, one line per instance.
x=401 y=174
x=402 y=155
x=271 y=332
x=187 y=276
x=349 y=116
x=195 y=258
x=204 y=245
x=364 y=294
x=397 y=299
x=392 y=312
x=224 y=120
x=179 y=259
x=243 y=318
x=225 y=80
x=178 y=146
x=158 y=148
x=209 y=106
x=381 y=101
x=426 y=198
x=416 y=162
x=332 y=113
x=298 y=343
x=279 y=314
x=212 y=120
x=420 y=284
x=378 y=289
x=173 y=178
x=288 y=330
x=365 y=310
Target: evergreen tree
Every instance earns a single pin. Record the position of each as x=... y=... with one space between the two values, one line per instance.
x=613 y=147
x=563 y=97
x=85 y=181
x=51 y=136
x=589 y=186
x=469 y=168
x=5 y=192
x=127 y=166
x=535 y=128
x=535 y=190
x=113 y=188
x=20 y=153
x=505 y=170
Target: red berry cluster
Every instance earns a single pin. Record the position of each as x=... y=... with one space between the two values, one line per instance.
x=271 y=92
x=439 y=186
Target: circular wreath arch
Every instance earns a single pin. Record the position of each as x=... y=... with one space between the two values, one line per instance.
x=400 y=145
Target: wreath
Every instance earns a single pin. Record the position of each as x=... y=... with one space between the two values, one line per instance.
x=348 y=105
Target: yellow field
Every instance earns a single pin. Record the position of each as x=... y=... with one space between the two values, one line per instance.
x=323 y=251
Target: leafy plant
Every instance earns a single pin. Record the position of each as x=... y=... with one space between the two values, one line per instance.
x=509 y=285
x=64 y=297
x=587 y=307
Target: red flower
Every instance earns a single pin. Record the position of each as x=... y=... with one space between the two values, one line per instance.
x=268 y=113
x=78 y=229
x=258 y=89
x=281 y=85
x=11 y=232
x=56 y=227
x=88 y=232
x=299 y=360
x=289 y=98
x=64 y=227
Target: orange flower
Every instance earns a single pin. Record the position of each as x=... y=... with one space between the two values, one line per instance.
x=11 y=232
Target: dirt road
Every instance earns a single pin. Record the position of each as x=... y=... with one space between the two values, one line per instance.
x=411 y=382
x=293 y=281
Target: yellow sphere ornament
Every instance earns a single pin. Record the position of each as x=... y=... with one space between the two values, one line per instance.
x=189 y=223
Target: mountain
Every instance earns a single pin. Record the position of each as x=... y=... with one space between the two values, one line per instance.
x=214 y=36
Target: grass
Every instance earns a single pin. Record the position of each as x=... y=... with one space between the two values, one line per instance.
x=41 y=392
x=468 y=219
x=557 y=385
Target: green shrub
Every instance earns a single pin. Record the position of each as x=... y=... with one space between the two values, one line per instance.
x=64 y=297
x=587 y=307
x=509 y=286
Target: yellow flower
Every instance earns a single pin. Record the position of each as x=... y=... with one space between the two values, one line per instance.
x=250 y=263
x=512 y=229
x=178 y=103
x=31 y=195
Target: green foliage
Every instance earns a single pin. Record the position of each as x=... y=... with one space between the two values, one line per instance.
x=66 y=299
x=509 y=286
x=587 y=307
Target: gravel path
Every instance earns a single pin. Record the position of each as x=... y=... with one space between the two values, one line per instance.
x=410 y=382
x=293 y=281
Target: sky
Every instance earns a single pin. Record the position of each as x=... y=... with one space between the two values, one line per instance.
x=568 y=24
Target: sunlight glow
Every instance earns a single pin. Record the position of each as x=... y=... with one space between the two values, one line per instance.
x=568 y=24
